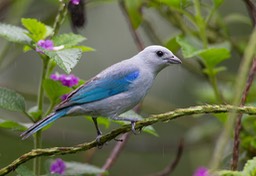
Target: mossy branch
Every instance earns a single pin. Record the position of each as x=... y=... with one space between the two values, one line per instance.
x=206 y=109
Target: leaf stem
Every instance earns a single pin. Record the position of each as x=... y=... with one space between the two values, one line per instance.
x=200 y=23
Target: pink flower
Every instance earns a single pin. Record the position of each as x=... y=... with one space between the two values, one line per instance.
x=201 y=171
x=45 y=44
x=75 y=2
x=58 y=167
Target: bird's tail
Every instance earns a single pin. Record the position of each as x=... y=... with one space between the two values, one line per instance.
x=42 y=123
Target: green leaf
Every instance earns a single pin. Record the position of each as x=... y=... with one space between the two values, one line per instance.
x=66 y=58
x=214 y=56
x=172 y=45
x=37 y=30
x=174 y=3
x=75 y=168
x=214 y=71
x=9 y=124
x=101 y=121
x=84 y=48
x=14 y=34
x=229 y=173
x=35 y=112
x=11 y=100
x=68 y=40
x=134 y=11
x=190 y=46
x=54 y=90
x=250 y=168
x=237 y=18
x=131 y=114
x=217 y=3
x=24 y=171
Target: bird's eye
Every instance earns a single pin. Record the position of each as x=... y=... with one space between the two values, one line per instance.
x=159 y=53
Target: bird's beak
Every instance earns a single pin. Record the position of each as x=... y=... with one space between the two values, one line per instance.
x=173 y=60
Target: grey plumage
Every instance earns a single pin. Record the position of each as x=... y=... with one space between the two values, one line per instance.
x=115 y=90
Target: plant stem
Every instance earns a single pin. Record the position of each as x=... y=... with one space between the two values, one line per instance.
x=213 y=81
x=40 y=101
x=240 y=84
x=60 y=17
x=200 y=23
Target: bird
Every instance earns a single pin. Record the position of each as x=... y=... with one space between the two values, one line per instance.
x=113 y=91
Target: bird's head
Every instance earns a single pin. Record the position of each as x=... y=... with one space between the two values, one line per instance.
x=158 y=57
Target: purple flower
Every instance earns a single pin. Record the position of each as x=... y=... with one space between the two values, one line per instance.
x=75 y=2
x=64 y=97
x=69 y=80
x=45 y=44
x=66 y=80
x=201 y=171
x=55 y=77
x=58 y=167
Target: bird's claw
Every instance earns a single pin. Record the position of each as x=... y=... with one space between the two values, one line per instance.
x=99 y=144
x=133 y=123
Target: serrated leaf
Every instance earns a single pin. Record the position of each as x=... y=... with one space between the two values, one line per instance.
x=9 y=124
x=66 y=59
x=12 y=101
x=37 y=30
x=14 y=34
x=24 y=171
x=68 y=40
x=131 y=114
x=76 y=168
x=134 y=10
x=250 y=167
x=54 y=90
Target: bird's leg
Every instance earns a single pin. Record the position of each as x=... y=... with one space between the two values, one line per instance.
x=133 y=123
x=99 y=133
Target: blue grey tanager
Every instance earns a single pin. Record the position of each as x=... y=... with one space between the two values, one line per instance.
x=113 y=91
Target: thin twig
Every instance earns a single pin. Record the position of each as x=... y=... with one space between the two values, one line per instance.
x=135 y=36
x=165 y=117
x=170 y=168
x=235 y=157
x=115 y=152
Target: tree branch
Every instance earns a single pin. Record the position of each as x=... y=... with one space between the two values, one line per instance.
x=206 y=109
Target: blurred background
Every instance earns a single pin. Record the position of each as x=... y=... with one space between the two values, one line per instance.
x=107 y=31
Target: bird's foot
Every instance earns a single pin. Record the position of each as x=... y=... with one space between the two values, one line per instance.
x=133 y=123
x=99 y=144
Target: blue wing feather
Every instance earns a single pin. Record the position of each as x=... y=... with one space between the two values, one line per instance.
x=100 y=88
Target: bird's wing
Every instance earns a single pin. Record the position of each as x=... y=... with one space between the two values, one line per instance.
x=100 y=87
